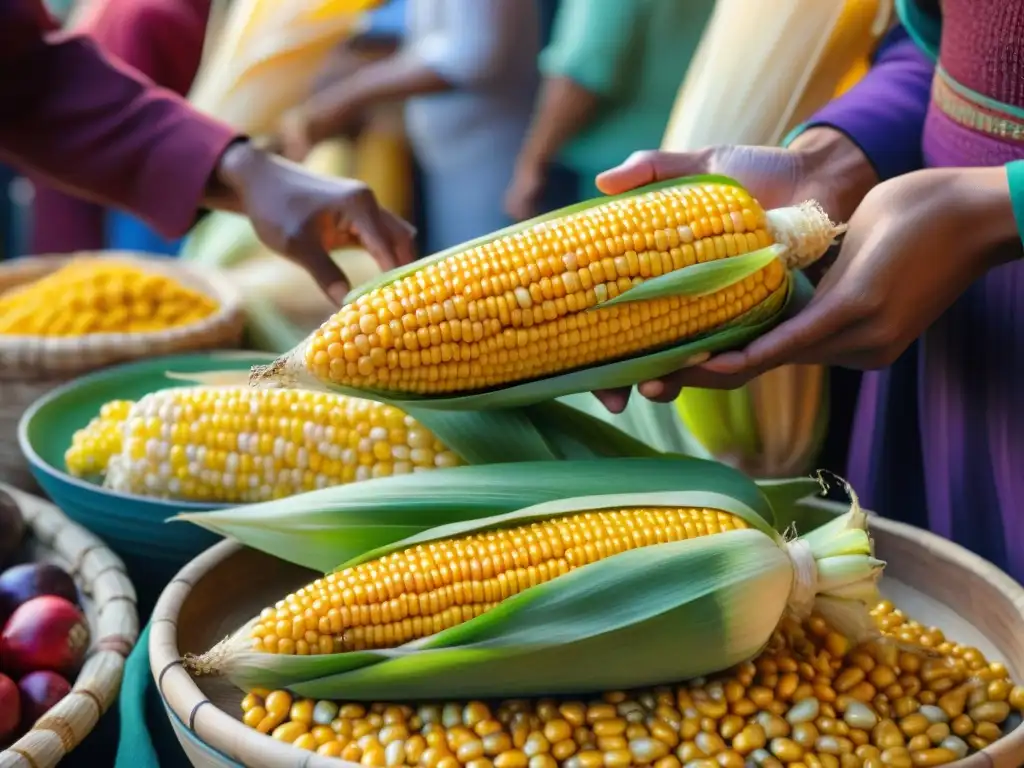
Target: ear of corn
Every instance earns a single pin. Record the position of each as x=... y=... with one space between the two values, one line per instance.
x=599 y=295
x=774 y=426
x=691 y=581
x=233 y=444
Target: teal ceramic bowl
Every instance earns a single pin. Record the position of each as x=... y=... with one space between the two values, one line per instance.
x=133 y=526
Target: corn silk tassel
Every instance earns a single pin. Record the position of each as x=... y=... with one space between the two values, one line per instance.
x=598 y=295
x=677 y=561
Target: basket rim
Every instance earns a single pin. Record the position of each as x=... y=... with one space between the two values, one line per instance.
x=170 y=675
x=115 y=633
x=222 y=289
x=39 y=464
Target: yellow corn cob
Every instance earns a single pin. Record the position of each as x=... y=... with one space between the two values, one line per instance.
x=101 y=296
x=235 y=444
x=514 y=308
x=430 y=587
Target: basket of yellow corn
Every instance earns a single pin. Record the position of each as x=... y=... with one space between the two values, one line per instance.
x=61 y=317
x=627 y=628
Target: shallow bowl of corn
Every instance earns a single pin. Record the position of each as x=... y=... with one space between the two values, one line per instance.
x=948 y=693
x=133 y=525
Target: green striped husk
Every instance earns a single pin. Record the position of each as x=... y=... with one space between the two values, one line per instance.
x=693 y=281
x=649 y=616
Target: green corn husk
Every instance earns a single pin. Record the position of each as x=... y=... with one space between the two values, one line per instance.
x=644 y=617
x=322 y=528
x=694 y=281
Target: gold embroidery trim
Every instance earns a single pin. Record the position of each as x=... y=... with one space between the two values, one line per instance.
x=965 y=113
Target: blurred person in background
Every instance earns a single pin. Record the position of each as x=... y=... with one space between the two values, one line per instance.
x=467 y=71
x=162 y=39
x=97 y=128
x=612 y=71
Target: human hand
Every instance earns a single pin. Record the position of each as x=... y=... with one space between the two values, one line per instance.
x=304 y=216
x=811 y=169
x=913 y=247
x=522 y=200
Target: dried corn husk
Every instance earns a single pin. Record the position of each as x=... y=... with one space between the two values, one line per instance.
x=684 y=609
x=796 y=55
x=264 y=57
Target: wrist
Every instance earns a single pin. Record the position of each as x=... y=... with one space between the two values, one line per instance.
x=227 y=183
x=836 y=171
x=237 y=164
x=984 y=194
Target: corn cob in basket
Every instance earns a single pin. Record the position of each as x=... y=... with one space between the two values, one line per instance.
x=571 y=561
x=602 y=294
x=234 y=444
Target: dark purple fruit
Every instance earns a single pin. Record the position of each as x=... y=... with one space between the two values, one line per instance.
x=25 y=582
x=12 y=529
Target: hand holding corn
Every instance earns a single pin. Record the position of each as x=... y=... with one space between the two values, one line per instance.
x=607 y=293
x=821 y=164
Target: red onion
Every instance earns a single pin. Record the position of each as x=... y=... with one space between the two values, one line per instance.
x=46 y=633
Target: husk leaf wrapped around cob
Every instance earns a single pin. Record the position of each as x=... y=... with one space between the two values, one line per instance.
x=712 y=271
x=678 y=606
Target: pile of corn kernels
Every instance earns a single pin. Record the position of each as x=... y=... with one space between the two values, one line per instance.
x=808 y=701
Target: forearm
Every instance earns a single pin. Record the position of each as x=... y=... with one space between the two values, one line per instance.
x=394 y=78
x=563 y=110
x=837 y=172
x=99 y=130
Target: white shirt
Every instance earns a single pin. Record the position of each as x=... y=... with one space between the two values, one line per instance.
x=488 y=50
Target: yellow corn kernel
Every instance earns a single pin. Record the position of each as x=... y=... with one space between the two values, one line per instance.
x=93 y=446
x=239 y=445
x=430 y=587
x=90 y=296
x=515 y=308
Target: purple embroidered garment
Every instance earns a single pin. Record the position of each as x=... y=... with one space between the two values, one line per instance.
x=939 y=436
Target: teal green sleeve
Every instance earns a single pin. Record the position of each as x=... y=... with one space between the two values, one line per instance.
x=925 y=30
x=591 y=42
x=1015 y=175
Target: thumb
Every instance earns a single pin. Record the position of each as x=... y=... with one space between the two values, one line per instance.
x=792 y=341
x=647 y=167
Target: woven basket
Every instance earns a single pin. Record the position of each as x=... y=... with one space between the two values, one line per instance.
x=934 y=580
x=113 y=623
x=30 y=366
